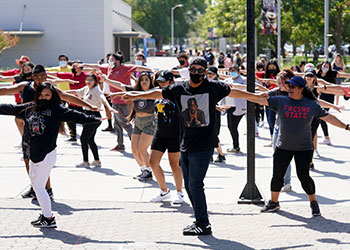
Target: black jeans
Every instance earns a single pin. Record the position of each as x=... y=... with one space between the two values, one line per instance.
x=72 y=125
x=281 y=160
x=324 y=126
x=194 y=168
x=232 y=123
x=87 y=137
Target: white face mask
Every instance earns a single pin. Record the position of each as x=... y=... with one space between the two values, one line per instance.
x=324 y=69
x=63 y=63
x=244 y=64
x=111 y=64
x=138 y=62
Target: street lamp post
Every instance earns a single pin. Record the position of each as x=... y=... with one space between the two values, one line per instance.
x=172 y=27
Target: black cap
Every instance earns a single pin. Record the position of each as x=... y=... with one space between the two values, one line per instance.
x=199 y=60
x=297 y=81
x=165 y=75
x=213 y=70
x=310 y=71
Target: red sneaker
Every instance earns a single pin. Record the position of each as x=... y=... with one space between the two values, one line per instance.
x=118 y=148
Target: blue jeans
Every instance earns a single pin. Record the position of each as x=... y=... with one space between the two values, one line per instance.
x=194 y=168
x=287 y=177
x=271 y=119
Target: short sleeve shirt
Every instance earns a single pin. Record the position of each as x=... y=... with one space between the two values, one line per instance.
x=197 y=108
x=92 y=96
x=295 y=121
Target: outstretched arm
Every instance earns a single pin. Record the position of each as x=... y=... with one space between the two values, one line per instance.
x=14 y=89
x=260 y=98
x=7 y=78
x=329 y=105
x=330 y=89
x=151 y=94
x=75 y=100
x=334 y=121
x=113 y=83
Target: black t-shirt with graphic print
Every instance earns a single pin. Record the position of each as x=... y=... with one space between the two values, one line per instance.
x=168 y=119
x=295 y=118
x=197 y=107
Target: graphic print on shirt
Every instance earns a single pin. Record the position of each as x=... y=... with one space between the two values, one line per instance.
x=296 y=112
x=36 y=124
x=195 y=110
x=165 y=109
x=141 y=104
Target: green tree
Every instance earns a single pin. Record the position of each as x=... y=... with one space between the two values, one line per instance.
x=339 y=21
x=154 y=16
x=7 y=41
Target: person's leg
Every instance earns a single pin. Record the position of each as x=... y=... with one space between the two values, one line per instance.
x=144 y=143
x=92 y=142
x=235 y=122
x=118 y=129
x=302 y=162
x=121 y=116
x=230 y=122
x=281 y=160
x=134 y=148
x=39 y=173
x=174 y=160
x=325 y=127
x=155 y=158
x=72 y=125
x=84 y=139
x=198 y=163
x=184 y=163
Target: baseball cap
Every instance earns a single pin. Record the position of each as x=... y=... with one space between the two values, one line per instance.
x=199 y=60
x=309 y=66
x=165 y=75
x=22 y=59
x=213 y=70
x=297 y=81
x=310 y=71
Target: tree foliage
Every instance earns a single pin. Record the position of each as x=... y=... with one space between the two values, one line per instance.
x=155 y=17
x=7 y=41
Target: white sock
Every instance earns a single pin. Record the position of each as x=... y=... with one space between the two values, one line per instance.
x=164 y=192
x=142 y=168
x=149 y=169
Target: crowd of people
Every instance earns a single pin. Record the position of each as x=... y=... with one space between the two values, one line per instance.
x=178 y=110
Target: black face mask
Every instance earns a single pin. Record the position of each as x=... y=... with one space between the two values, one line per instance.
x=182 y=62
x=272 y=71
x=74 y=71
x=26 y=75
x=43 y=104
x=196 y=78
x=260 y=66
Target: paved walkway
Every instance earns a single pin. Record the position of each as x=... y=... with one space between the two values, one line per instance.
x=107 y=209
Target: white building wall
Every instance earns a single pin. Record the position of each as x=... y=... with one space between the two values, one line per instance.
x=82 y=29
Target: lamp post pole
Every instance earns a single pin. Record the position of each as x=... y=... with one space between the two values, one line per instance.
x=172 y=27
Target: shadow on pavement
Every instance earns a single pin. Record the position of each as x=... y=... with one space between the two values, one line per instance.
x=64 y=209
x=211 y=243
x=331 y=174
x=319 y=223
x=322 y=158
x=289 y=247
x=65 y=237
x=320 y=199
x=332 y=241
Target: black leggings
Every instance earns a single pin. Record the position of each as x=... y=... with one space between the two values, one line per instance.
x=281 y=160
x=72 y=125
x=232 y=123
x=324 y=126
x=87 y=137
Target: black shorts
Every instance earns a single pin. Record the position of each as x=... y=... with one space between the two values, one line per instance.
x=162 y=143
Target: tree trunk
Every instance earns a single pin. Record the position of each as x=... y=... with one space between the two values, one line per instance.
x=338 y=29
x=294 y=50
x=159 y=42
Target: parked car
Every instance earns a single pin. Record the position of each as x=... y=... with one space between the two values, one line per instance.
x=161 y=53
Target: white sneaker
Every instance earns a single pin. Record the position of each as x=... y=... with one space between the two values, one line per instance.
x=83 y=165
x=179 y=198
x=317 y=153
x=327 y=141
x=96 y=164
x=161 y=196
x=286 y=188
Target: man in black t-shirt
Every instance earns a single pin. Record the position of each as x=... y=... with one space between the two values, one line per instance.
x=197 y=142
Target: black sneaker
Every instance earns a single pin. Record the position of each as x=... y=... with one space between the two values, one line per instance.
x=312 y=166
x=37 y=220
x=29 y=194
x=72 y=139
x=220 y=159
x=196 y=229
x=315 y=208
x=145 y=175
x=108 y=129
x=45 y=222
x=270 y=207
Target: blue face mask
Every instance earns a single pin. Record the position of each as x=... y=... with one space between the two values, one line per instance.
x=138 y=62
x=63 y=63
x=234 y=74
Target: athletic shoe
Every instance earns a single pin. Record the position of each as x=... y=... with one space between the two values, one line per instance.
x=145 y=175
x=50 y=193
x=37 y=220
x=220 y=159
x=72 y=139
x=312 y=166
x=327 y=141
x=45 y=222
x=317 y=153
x=270 y=207
x=118 y=148
x=161 y=196
x=179 y=198
x=83 y=165
x=268 y=145
x=286 y=188
x=196 y=229
x=96 y=164
x=257 y=134
x=315 y=209
x=108 y=129
x=233 y=150
x=29 y=194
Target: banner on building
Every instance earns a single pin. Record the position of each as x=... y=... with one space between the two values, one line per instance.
x=269 y=17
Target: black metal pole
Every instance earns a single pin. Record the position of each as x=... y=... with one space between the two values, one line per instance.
x=250 y=192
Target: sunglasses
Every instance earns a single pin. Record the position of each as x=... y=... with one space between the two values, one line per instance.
x=291 y=86
x=310 y=76
x=199 y=71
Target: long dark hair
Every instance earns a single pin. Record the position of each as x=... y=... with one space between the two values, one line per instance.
x=138 y=87
x=21 y=71
x=54 y=99
x=307 y=92
x=267 y=71
x=93 y=76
